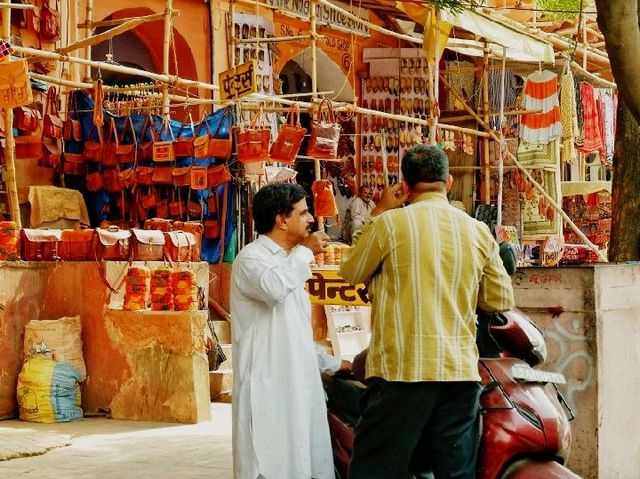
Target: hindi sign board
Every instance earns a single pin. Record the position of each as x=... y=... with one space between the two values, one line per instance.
x=238 y=81
x=327 y=287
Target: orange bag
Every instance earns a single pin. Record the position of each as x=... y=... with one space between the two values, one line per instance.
x=112 y=244
x=39 y=245
x=28 y=147
x=198 y=178
x=221 y=147
x=144 y=175
x=93 y=150
x=253 y=142
x=50 y=153
x=26 y=119
x=127 y=153
x=196 y=229
x=290 y=137
x=183 y=147
x=145 y=148
x=110 y=146
x=95 y=182
x=218 y=174
x=76 y=245
x=163 y=149
x=179 y=245
x=181 y=176
x=324 y=201
x=52 y=123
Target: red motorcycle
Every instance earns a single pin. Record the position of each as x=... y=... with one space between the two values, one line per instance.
x=525 y=419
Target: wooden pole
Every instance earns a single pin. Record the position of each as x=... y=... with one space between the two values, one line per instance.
x=486 y=174
x=87 y=34
x=535 y=184
x=9 y=147
x=172 y=80
x=166 y=48
x=120 y=21
x=314 y=84
x=106 y=35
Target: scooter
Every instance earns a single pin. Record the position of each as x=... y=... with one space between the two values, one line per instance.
x=525 y=419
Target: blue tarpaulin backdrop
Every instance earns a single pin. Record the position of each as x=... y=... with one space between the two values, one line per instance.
x=96 y=201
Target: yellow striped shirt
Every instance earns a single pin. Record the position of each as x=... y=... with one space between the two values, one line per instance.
x=427 y=266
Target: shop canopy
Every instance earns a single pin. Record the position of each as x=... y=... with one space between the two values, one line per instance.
x=517 y=45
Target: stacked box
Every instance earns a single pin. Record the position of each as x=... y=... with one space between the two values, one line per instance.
x=9 y=241
x=185 y=297
x=137 y=285
x=161 y=289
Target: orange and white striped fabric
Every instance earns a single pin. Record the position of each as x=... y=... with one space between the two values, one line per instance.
x=541 y=94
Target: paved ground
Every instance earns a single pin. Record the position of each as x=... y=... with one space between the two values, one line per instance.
x=111 y=449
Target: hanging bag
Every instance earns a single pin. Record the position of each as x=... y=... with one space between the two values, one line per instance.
x=198 y=178
x=74 y=164
x=201 y=142
x=110 y=146
x=145 y=147
x=49 y=22
x=325 y=133
x=28 y=147
x=50 y=153
x=15 y=86
x=26 y=119
x=217 y=175
x=52 y=124
x=126 y=153
x=220 y=148
x=163 y=149
x=253 y=142
x=183 y=146
x=290 y=137
x=324 y=201
x=94 y=150
x=72 y=129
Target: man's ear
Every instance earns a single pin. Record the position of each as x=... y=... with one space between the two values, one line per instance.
x=449 y=183
x=281 y=221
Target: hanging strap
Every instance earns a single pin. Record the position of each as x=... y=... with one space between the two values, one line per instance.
x=98 y=101
x=223 y=220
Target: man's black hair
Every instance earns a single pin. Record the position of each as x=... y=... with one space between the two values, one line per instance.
x=425 y=164
x=273 y=200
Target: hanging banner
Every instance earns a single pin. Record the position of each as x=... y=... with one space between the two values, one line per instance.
x=327 y=287
x=238 y=82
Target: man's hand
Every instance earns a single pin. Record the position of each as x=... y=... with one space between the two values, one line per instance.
x=316 y=242
x=392 y=197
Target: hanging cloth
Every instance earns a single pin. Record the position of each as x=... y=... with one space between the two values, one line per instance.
x=541 y=94
x=592 y=139
x=607 y=124
x=579 y=140
x=568 y=116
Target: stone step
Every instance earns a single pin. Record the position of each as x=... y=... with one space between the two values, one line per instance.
x=228 y=364
x=220 y=385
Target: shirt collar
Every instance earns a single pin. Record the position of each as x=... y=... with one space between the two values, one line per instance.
x=272 y=246
x=432 y=196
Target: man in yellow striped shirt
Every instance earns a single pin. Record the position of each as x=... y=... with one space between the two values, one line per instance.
x=428 y=266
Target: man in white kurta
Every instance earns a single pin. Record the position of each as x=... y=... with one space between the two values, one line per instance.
x=280 y=428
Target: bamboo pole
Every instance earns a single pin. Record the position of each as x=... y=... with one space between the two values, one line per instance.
x=120 y=21
x=106 y=35
x=584 y=43
x=9 y=148
x=87 y=34
x=486 y=191
x=170 y=79
x=313 y=19
x=535 y=184
x=593 y=78
x=166 y=44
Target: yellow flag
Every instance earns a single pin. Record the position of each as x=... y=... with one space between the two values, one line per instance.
x=433 y=28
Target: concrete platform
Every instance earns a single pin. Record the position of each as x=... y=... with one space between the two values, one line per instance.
x=114 y=449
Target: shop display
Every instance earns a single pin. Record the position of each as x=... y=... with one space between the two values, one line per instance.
x=9 y=241
x=137 y=288
x=161 y=289
x=184 y=288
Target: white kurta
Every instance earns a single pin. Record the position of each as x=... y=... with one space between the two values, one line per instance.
x=280 y=428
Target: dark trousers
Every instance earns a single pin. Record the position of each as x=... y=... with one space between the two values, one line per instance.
x=409 y=429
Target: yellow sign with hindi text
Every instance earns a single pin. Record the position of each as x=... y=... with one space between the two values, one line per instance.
x=327 y=287
x=238 y=82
